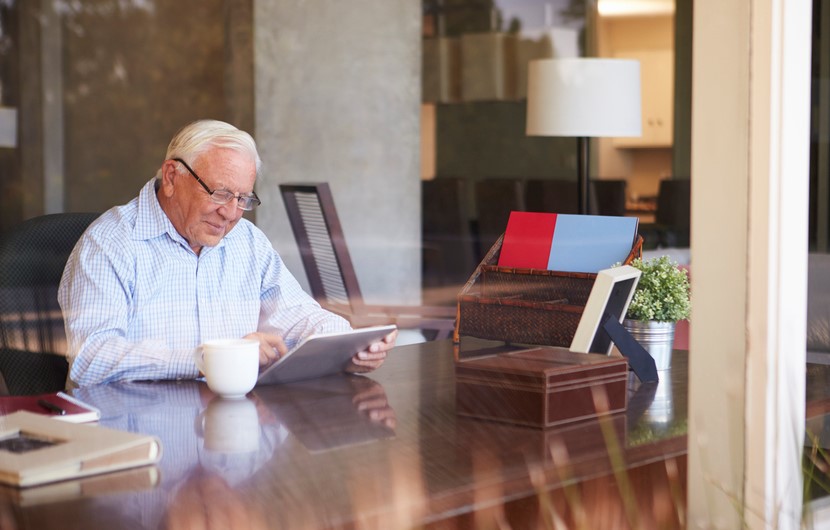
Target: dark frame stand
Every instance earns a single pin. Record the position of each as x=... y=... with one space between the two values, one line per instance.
x=640 y=361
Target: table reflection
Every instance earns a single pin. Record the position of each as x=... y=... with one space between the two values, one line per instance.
x=180 y=414
x=206 y=500
x=214 y=446
x=332 y=412
x=386 y=450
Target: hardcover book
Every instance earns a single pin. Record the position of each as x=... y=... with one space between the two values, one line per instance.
x=35 y=449
x=58 y=405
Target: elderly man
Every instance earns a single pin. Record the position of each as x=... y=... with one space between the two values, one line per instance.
x=151 y=280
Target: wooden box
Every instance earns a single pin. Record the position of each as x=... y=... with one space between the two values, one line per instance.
x=526 y=306
x=541 y=387
x=517 y=445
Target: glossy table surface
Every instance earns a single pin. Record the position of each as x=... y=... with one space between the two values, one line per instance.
x=383 y=451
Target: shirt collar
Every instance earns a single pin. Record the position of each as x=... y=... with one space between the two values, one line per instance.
x=153 y=222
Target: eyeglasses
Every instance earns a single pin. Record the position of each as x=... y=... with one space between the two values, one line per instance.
x=243 y=202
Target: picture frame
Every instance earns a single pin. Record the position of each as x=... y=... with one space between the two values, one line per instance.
x=610 y=295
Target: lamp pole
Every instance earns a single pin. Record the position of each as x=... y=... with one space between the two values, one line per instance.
x=584 y=182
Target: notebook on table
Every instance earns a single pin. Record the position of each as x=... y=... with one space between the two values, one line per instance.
x=58 y=405
x=35 y=449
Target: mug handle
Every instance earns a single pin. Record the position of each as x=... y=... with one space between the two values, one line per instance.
x=199 y=358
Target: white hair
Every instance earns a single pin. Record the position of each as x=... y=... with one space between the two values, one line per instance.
x=195 y=138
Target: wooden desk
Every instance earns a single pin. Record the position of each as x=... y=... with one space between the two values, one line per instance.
x=316 y=461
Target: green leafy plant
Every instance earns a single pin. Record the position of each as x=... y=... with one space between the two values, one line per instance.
x=662 y=293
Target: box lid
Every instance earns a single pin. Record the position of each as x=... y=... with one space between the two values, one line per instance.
x=542 y=367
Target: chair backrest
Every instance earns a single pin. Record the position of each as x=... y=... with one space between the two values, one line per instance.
x=32 y=258
x=323 y=249
x=818 y=303
x=448 y=246
x=557 y=196
x=674 y=202
x=331 y=274
x=674 y=211
x=495 y=199
x=610 y=195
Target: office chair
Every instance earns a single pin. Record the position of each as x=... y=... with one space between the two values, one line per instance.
x=448 y=247
x=610 y=196
x=331 y=275
x=671 y=227
x=495 y=199
x=674 y=211
x=557 y=196
x=32 y=343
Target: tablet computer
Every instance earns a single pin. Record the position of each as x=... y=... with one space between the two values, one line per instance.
x=321 y=354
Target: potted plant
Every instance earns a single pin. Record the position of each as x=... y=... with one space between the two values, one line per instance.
x=660 y=300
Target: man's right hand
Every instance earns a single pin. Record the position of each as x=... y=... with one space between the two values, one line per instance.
x=271 y=347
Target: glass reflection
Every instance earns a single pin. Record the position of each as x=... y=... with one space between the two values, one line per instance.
x=194 y=429
x=333 y=412
x=215 y=450
x=661 y=410
x=206 y=500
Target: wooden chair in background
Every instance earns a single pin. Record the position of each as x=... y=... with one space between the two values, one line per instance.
x=331 y=275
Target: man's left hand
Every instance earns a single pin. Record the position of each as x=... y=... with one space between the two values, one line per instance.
x=373 y=356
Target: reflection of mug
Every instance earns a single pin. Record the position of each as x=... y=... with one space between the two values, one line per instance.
x=231 y=366
x=229 y=426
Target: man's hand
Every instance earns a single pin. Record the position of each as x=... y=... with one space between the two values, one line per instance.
x=373 y=356
x=271 y=347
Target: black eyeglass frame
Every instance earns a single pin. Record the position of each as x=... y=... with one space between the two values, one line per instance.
x=252 y=200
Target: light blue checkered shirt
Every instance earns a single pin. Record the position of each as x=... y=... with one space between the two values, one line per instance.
x=137 y=300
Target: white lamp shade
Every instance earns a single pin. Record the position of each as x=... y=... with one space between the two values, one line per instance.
x=583 y=97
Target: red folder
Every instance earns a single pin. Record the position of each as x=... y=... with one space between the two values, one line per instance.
x=527 y=240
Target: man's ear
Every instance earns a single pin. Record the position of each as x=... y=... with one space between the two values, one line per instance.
x=168 y=176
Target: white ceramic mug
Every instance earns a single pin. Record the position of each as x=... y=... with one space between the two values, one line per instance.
x=230 y=426
x=231 y=366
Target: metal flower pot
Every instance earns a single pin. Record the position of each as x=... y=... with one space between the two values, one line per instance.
x=656 y=337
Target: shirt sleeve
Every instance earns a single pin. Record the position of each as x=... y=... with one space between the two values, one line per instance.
x=95 y=296
x=286 y=309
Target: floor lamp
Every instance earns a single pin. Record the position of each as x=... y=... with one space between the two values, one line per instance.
x=583 y=98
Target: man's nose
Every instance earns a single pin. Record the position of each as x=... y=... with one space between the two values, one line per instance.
x=229 y=210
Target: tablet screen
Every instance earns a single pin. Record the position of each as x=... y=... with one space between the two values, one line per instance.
x=321 y=354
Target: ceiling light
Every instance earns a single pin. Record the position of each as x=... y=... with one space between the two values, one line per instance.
x=630 y=8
